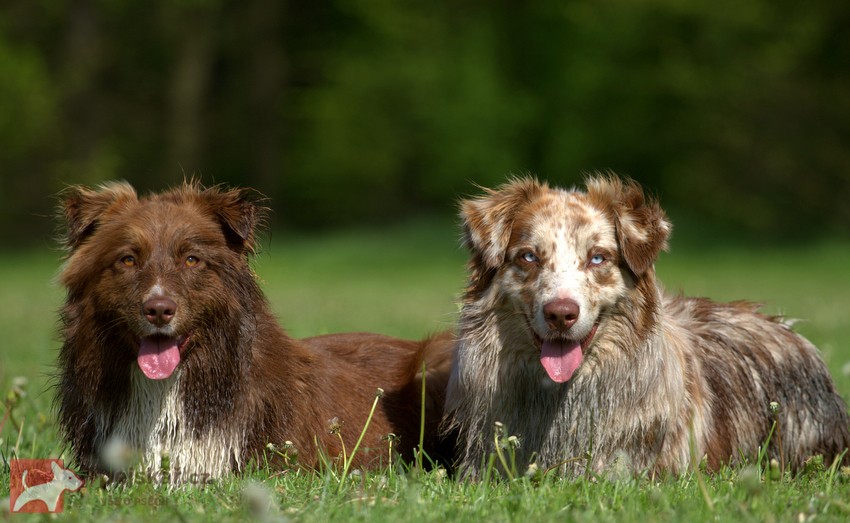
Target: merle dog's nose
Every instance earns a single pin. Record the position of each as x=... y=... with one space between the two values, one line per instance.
x=159 y=310
x=561 y=314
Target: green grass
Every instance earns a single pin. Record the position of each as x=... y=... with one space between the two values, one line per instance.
x=404 y=281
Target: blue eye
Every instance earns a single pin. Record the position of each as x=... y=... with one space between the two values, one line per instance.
x=529 y=257
x=597 y=259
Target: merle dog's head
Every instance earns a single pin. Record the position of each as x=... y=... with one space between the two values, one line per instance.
x=562 y=259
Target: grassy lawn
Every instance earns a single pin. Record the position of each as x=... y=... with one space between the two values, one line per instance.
x=404 y=281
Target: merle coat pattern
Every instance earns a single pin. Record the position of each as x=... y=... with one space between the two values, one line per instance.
x=569 y=341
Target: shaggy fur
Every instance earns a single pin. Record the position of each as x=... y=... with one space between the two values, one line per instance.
x=170 y=349
x=567 y=339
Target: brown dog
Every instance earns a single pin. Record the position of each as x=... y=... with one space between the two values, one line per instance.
x=170 y=348
x=567 y=340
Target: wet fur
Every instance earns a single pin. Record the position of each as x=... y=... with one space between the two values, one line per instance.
x=660 y=371
x=242 y=382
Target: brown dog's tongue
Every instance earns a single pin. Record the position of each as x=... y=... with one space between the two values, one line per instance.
x=560 y=359
x=158 y=357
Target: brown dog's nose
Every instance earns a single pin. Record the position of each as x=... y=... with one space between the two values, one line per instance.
x=159 y=310
x=561 y=314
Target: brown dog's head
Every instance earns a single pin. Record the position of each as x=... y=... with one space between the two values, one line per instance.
x=561 y=259
x=149 y=273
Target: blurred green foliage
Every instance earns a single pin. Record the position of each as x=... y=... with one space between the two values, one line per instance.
x=736 y=114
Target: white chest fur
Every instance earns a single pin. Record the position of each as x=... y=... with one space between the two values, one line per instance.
x=153 y=428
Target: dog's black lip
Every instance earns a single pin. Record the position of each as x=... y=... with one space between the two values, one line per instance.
x=585 y=342
x=182 y=343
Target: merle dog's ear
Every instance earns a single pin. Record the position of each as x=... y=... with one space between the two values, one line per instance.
x=642 y=226
x=83 y=208
x=488 y=219
x=240 y=214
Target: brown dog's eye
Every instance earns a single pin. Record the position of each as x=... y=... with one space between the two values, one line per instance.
x=128 y=261
x=192 y=261
x=596 y=260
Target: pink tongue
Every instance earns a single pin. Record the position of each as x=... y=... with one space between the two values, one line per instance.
x=158 y=357
x=560 y=359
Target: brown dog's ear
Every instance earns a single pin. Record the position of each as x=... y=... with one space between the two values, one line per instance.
x=642 y=226
x=488 y=219
x=239 y=214
x=82 y=208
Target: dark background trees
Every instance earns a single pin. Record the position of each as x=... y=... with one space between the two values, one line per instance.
x=737 y=114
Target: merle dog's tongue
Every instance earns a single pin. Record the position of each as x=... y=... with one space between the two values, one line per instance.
x=158 y=356
x=560 y=359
